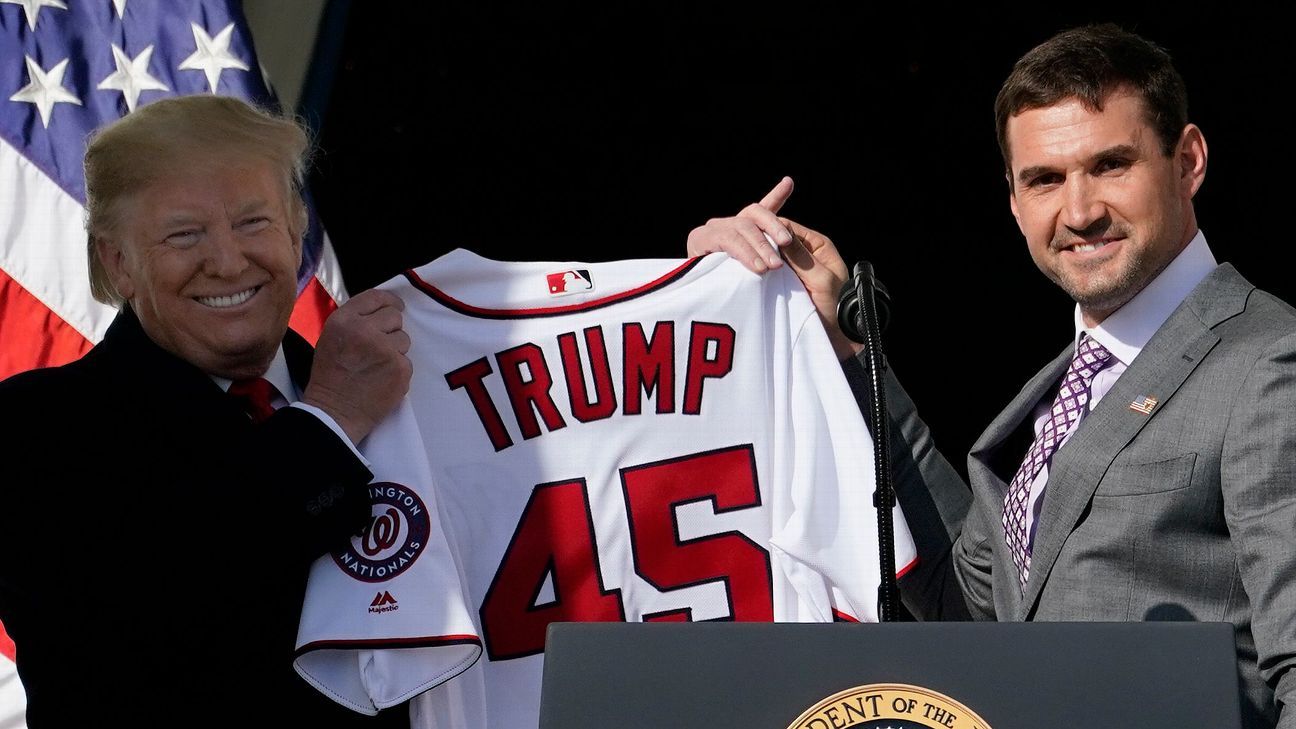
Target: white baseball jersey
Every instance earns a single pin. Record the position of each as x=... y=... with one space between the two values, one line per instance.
x=638 y=440
x=13 y=702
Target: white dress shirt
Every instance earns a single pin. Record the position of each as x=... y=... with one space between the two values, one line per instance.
x=1125 y=333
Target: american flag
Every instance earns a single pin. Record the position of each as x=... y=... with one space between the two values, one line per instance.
x=1143 y=404
x=67 y=67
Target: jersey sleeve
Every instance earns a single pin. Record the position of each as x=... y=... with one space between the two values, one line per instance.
x=13 y=702
x=397 y=585
x=825 y=531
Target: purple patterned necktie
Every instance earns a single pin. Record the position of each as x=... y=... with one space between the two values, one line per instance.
x=1070 y=403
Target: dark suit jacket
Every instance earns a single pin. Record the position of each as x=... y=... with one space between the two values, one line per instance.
x=1188 y=513
x=154 y=543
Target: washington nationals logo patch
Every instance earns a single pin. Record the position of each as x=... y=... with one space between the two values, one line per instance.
x=395 y=536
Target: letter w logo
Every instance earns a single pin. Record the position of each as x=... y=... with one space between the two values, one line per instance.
x=383 y=598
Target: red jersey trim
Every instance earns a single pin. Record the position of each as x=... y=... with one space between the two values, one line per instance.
x=844 y=617
x=905 y=570
x=450 y=302
x=424 y=642
x=841 y=617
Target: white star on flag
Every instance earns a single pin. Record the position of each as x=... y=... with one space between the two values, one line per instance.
x=212 y=54
x=132 y=76
x=33 y=7
x=120 y=6
x=45 y=89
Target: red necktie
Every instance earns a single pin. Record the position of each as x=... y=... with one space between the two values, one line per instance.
x=255 y=395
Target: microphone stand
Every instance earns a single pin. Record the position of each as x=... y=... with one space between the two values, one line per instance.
x=857 y=315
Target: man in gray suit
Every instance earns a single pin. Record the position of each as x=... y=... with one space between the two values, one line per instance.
x=1149 y=471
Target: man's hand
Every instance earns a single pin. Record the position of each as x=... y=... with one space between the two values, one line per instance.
x=360 y=371
x=812 y=255
x=750 y=236
x=815 y=260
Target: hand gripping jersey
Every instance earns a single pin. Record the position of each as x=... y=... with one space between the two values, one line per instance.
x=638 y=440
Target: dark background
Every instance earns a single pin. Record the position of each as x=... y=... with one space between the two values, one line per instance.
x=560 y=132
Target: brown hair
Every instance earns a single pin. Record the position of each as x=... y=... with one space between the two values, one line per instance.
x=1088 y=64
x=124 y=157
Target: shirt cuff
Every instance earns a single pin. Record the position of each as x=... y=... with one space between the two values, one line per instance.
x=328 y=420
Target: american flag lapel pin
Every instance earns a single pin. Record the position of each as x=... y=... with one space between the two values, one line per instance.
x=1143 y=404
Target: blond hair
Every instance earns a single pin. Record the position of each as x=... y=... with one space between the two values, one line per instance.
x=126 y=156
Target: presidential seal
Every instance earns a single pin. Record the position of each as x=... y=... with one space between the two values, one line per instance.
x=397 y=532
x=888 y=706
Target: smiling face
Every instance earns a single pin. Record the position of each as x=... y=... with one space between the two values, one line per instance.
x=1103 y=209
x=207 y=259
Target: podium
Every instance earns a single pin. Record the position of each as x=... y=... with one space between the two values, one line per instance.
x=896 y=675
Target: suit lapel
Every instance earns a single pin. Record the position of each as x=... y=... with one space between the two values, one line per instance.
x=987 y=457
x=173 y=404
x=1165 y=363
x=997 y=455
x=150 y=374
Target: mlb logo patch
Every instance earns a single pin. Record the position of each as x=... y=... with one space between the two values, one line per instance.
x=573 y=281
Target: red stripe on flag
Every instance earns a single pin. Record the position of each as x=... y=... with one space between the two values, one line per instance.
x=312 y=308
x=30 y=334
x=6 y=645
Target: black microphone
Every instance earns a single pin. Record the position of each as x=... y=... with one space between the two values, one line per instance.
x=861 y=283
x=861 y=313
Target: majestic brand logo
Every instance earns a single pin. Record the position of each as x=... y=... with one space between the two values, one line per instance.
x=574 y=281
x=394 y=538
x=383 y=602
x=893 y=705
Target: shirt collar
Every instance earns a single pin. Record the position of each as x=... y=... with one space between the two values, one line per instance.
x=277 y=375
x=1130 y=327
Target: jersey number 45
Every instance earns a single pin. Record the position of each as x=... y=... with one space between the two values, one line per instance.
x=555 y=539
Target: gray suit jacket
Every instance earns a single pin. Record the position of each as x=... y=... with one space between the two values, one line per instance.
x=1188 y=513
